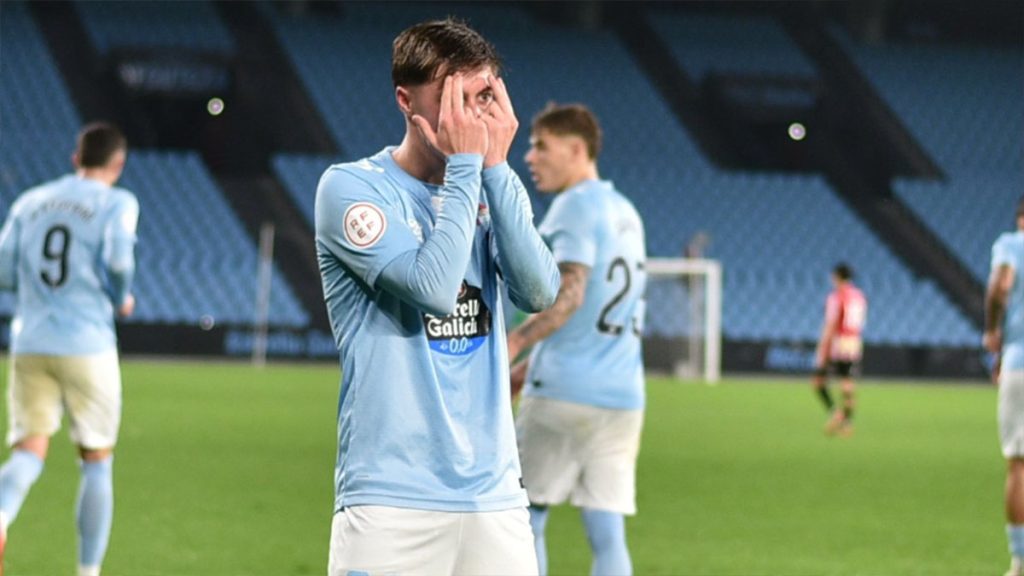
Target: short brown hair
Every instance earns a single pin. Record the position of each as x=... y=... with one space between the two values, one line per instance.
x=424 y=51
x=571 y=119
x=97 y=143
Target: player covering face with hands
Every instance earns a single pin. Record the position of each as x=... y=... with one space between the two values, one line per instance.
x=411 y=242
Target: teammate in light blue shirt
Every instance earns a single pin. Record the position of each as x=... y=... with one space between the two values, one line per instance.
x=1004 y=338
x=411 y=242
x=580 y=420
x=67 y=250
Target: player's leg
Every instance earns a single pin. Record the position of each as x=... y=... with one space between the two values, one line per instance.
x=848 y=385
x=1011 y=436
x=607 y=489
x=92 y=391
x=1015 y=514
x=840 y=420
x=94 y=509
x=820 y=384
x=17 y=475
x=34 y=412
x=606 y=533
x=546 y=431
x=388 y=540
x=496 y=543
x=538 y=523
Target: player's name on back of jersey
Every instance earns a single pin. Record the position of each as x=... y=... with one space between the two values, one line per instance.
x=82 y=211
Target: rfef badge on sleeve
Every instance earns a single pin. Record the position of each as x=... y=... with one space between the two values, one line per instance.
x=364 y=224
x=465 y=329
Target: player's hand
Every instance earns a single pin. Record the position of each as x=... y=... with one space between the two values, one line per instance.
x=993 y=340
x=460 y=130
x=127 y=307
x=518 y=378
x=997 y=365
x=501 y=123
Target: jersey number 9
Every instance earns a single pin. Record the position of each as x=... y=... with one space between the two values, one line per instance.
x=55 y=251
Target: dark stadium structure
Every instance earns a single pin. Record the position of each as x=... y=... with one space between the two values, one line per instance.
x=907 y=159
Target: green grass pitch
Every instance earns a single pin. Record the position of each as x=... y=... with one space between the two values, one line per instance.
x=225 y=470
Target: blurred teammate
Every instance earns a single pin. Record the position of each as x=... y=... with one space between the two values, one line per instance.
x=1004 y=337
x=580 y=420
x=67 y=250
x=411 y=241
x=840 y=347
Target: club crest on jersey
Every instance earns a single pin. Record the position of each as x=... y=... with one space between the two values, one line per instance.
x=364 y=224
x=465 y=329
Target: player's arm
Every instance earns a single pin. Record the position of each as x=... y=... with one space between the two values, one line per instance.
x=119 y=253
x=539 y=326
x=828 y=332
x=389 y=256
x=9 y=252
x=996 y=296
x=525 y=262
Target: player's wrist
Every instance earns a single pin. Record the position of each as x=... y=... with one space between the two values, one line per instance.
x=496 y=169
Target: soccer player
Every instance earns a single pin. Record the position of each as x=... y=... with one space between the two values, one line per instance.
x=411 y=241
x=840 y=347
x=67 y=250
x=1004 y=337
x=581 y=416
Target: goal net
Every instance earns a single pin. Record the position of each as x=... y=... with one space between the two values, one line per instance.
x=683 y=332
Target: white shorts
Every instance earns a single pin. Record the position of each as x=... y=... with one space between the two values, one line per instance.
x=579 y=451
x=41 y=388
x=1011 y=413
x=375 y=540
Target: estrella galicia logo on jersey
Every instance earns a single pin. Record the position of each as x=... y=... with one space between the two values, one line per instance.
x=465 y=329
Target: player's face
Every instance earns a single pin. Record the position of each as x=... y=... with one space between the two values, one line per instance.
x=478 y=95
x=550 y=159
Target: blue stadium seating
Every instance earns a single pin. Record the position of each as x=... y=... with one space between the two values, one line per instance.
x=778 y=235
x=32 y=94
x=749 y=45
x=300 y=174
x=194 y=258
x=967 y=212
x=192 y=25
x=964 y=105
x=196 y=262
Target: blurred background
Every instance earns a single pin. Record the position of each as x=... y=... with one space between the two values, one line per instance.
x=776 y=138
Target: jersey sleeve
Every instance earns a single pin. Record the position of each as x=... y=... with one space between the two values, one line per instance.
x=525 y=261
x=9 y=250
x=1005 y=252
x=119 y=238
x=568 y=230
x=358 y=225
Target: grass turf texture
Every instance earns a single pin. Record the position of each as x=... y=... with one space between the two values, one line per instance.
x=225 y=470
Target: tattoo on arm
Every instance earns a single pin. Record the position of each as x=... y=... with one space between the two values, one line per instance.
x=570 y=297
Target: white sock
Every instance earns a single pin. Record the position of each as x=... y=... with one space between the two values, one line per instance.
x=88 y=571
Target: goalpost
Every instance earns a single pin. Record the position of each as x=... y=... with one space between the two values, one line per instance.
x=684 y=309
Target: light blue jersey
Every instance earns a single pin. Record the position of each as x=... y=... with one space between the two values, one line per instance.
x=1009 y=250
x=410 y=275
x=595 y=358
x=67 y=249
